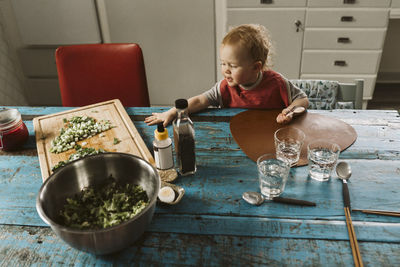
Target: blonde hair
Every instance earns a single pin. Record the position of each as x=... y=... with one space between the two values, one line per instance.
x=253 y=38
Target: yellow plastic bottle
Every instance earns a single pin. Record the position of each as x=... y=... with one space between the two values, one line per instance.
x=162 y=146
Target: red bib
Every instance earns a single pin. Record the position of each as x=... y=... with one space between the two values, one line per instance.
x=270 y=93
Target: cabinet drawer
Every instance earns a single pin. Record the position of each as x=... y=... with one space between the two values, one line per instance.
x=265 y=3
x=396 y=3
x=349 y=3
x=369 y=81
x=341 y=17
x=340 y=62
x=316 y=38
x=38 y=62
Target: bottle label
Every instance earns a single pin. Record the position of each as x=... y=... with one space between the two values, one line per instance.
x=163 y=157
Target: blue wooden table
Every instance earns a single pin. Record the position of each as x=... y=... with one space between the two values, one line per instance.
x=212 y=225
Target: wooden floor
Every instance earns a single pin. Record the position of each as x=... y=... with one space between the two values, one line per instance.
x=386 y=96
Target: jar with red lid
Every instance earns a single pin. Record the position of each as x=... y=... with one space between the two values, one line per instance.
x=13 y=131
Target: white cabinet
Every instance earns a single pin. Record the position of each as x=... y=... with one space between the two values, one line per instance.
x=280 y=20
x=337 y=39
x=266 y=3
x=178 y=42
x=395 y=9
x=340 y=62
x=346 y=18
x=395 y=4
x=349 y=3
x=344 y=41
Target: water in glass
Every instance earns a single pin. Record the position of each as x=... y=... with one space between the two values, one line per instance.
x=288 y=143
x=272 y=176
x=321 y=163
x=289 y=151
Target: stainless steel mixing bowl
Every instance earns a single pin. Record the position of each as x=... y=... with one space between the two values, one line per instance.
x=94 y=170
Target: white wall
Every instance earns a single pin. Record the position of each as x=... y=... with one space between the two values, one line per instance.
x=12 y=81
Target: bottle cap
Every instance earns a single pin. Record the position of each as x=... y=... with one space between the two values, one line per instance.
x=181 y=103
x=161 y=133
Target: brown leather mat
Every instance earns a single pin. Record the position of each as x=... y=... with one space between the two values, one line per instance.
x=253 y=131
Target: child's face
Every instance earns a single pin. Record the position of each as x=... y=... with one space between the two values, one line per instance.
x=236 y=67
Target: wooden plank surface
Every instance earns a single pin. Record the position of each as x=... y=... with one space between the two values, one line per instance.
x=211 y=193
x=22 y=245
x=212 y=225
x=47 y=128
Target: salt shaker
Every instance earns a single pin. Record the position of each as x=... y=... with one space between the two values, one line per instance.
x=184 y=139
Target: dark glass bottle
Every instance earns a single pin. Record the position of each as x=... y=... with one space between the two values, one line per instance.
x=184 y=139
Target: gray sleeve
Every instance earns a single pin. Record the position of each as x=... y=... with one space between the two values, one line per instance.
x=214 y=95
x=294 y=92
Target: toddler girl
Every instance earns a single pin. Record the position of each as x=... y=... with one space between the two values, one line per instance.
x=247 y=83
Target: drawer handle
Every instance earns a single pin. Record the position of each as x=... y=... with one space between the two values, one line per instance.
x=341 y=63
x=266 y=1
x=347 y=18
x=349 y=1
x=344 y=40
x=297 y=23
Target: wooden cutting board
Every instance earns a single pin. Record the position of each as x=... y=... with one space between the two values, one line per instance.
x=48 y=127
x=253 y=131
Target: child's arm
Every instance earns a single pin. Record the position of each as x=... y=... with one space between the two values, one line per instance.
x=282 y=118
x=195 y=104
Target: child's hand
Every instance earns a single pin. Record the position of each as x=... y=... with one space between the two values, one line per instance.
x=282 y=118
x=155 y=118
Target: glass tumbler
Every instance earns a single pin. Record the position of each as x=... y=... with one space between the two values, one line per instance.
x=288 y=144
x=273 y=174
x=322 y=158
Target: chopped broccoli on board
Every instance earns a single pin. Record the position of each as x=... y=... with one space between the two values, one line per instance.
x=81 y=152
x=77 y=128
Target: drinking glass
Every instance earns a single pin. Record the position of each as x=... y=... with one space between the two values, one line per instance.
x=288 y=143
x=273 y=174
x=322 y=158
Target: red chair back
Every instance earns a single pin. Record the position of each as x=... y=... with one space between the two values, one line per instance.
x=92 y=73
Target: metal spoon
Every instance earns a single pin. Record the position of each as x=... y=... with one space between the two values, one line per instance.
x=343 y=171
x=256 y=198
x=296 y=110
